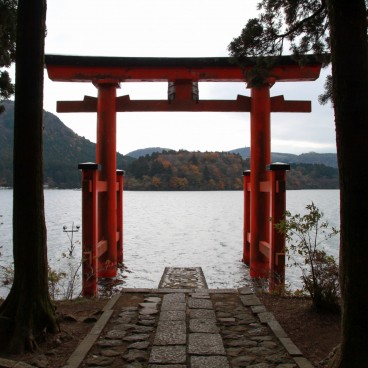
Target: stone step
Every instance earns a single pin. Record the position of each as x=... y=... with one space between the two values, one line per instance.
x=183 y=278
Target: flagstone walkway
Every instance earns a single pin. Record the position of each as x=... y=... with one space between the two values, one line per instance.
x=185 y=324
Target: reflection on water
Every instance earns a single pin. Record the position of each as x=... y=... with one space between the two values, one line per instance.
x=163 y=229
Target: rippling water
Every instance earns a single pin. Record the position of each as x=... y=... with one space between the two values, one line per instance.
x=183 y=229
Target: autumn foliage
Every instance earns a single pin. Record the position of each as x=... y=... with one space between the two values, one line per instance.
x=185 y=170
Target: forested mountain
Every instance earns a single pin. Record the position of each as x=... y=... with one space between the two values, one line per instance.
x=63 y=151
x=312 y=176
x=328 y=159
x=146 y=151
x=160 y=170
x=183 y=170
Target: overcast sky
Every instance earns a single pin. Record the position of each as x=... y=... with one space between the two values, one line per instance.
x=175 y=28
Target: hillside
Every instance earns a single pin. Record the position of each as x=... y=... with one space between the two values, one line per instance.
x=155 y=168
x=63 y=151
x=328 y=159
x=183 y=170
x=146 y=151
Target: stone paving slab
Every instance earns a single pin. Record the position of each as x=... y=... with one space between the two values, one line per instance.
x=167 y=366
x=172 y=290
x=202 y=314
x=245 y=290
x=174 y=307
x=258 y=309
x=290 y=347
x=277 y=329
x=187 y=278
x=200 y=295
x=264 y=317
x=205 y=344
x=209 y=362
x=199 y=303
x=250 y=300
x=174 y=298
x=173 y=315
x=168 y=355
x=203 y=325
x=171 y=333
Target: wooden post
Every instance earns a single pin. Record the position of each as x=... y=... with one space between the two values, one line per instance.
x=89 y=228
x=259 y=159
x=277 y=213
x=106 y=157
x=119 y=215
x=246 y=229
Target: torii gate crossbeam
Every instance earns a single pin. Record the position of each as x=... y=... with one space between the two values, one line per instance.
x=183 y=74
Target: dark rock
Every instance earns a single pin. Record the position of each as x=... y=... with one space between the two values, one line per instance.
x=110 y=353
x=243 y=361
x=109 y=343
x=90 y=319
x=115 y=334
x=100 y=361
x=69 y=318
x=135 y=356
x=136 y=337
x=140 y=345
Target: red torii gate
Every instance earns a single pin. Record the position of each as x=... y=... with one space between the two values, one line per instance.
x=264 y=190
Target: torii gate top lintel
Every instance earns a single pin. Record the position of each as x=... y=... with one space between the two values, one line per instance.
x=161 y=69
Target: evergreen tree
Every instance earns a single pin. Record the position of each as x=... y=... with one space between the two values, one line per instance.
x=338 y=26
x=27 y=312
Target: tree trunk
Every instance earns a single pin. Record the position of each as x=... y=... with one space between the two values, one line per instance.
x=27 y=312
x=348 y=28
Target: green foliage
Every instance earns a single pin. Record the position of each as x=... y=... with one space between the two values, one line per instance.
x=62 y=284
x=6 y=272
x=312 y=176
x=305 y=235
x=300 y=26
x=54 y=280
x=6 y=276
x=327 y=95
x=8 y=13
x=68 y=281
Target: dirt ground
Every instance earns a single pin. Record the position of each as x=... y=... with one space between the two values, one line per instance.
x=76 y=319
x=315 y=334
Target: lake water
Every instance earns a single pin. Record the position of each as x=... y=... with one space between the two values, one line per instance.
x=183 y=229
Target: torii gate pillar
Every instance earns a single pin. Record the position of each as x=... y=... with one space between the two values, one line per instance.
x=260 y=128
x=106 y=157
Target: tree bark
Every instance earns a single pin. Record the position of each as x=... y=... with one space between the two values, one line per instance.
x=348 y=30
x=28 y=312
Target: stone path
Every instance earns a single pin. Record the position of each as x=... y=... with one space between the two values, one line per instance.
x=190 y=326
x=183 y=278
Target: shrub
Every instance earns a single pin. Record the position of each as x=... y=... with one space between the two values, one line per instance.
x=305 y=235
